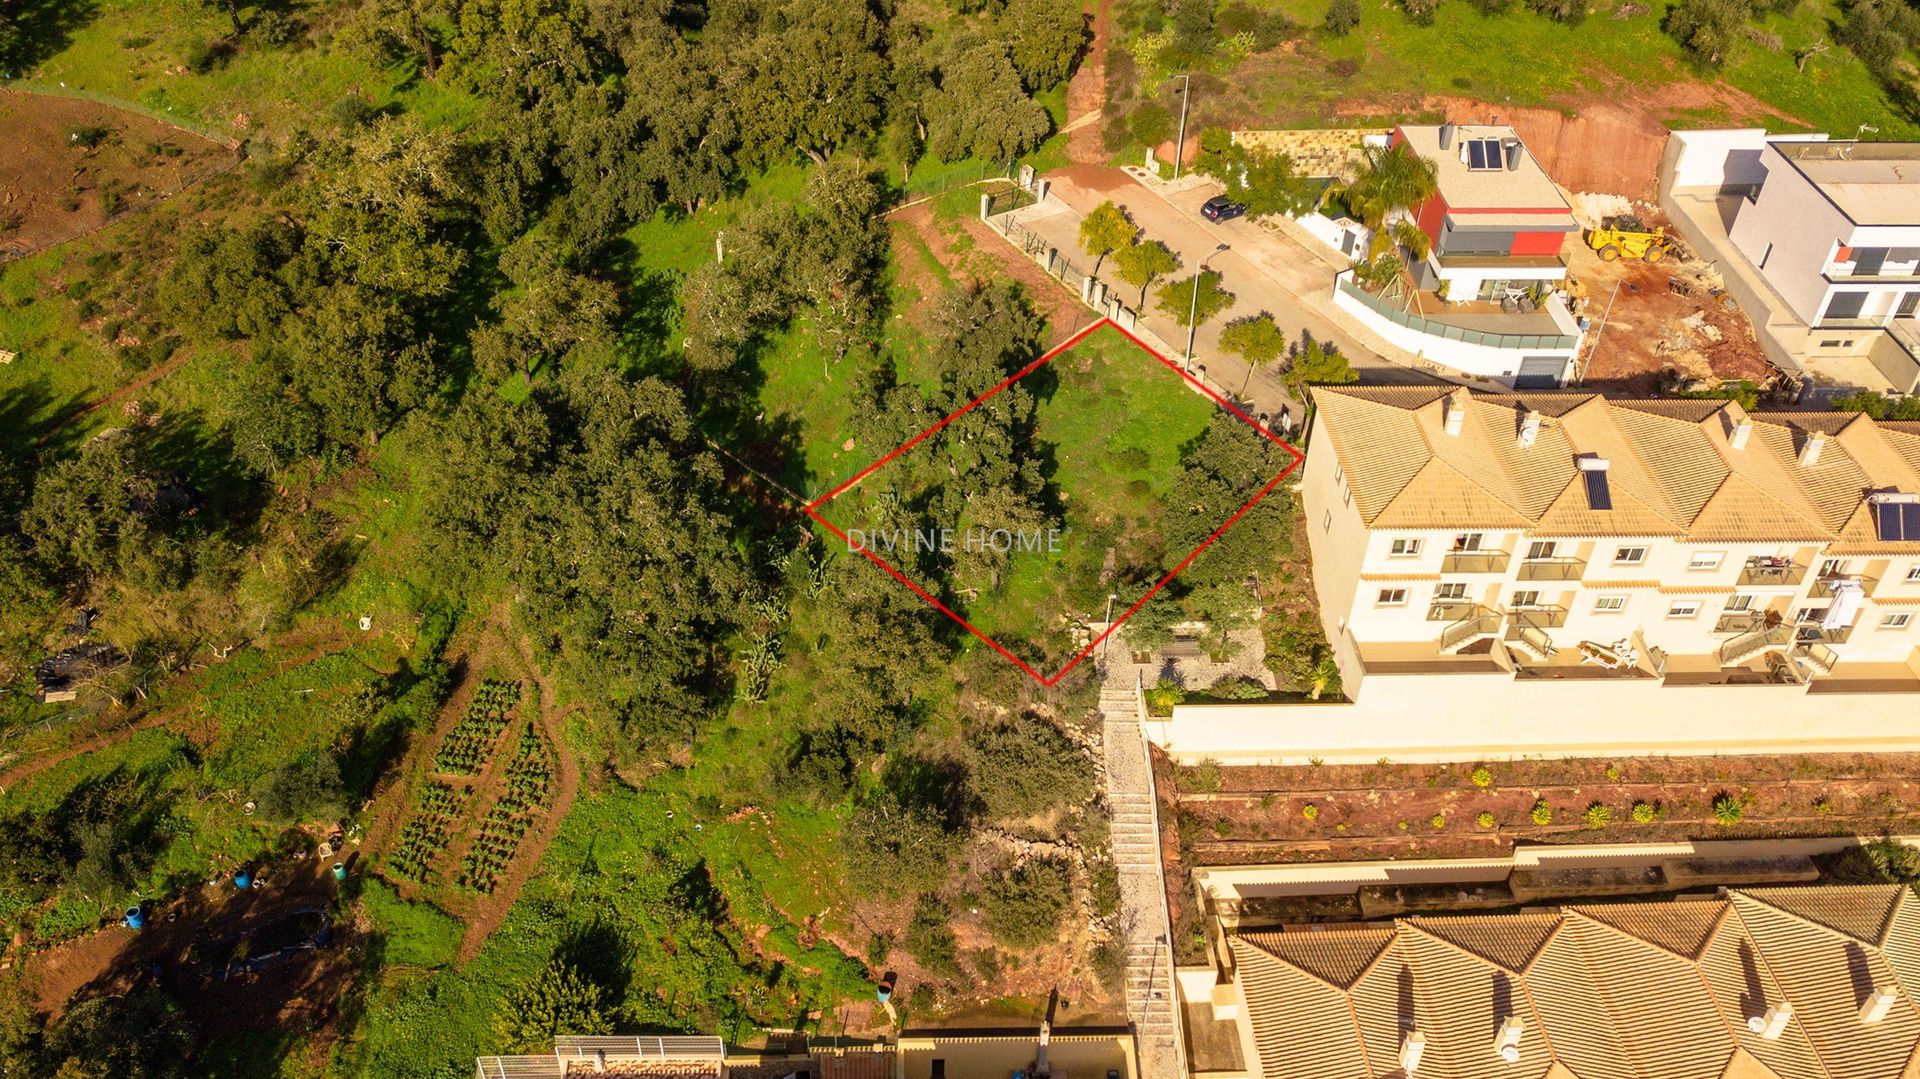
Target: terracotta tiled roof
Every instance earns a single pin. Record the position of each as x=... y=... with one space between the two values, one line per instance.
x=1672 y=468
x=1654 y=990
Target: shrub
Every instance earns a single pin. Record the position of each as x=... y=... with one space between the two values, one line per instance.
x=1151 y=124
x=555 y=1001
x=1438 y=821
x=1109 y=964
x=1342 y=17
x=89 y=136
x=1823 y=805
x=929 y=938
x=1420 y=12
x=1163 y=696
x=1643 y=812
x=1728 y=808
x=1485 y=819
x=879 y=947
x=1597 y=815
x=1204 y=778
x=1612 y=773
x=307 y=788
x=1237 y=687
x=200 y=57
x=1566 y=11
x=1542 y=813
x=1025 y=766
x=987 y=962
x=1022 y=907
x=1310 y=811
x=888 y=845
x=1482 y=776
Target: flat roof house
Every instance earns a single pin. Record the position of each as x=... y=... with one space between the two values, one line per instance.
x=1829 y=231
x=1482 y=301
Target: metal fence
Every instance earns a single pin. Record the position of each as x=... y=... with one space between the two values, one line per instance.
x=959 y=176
x=53 y=89
x=1451 y=332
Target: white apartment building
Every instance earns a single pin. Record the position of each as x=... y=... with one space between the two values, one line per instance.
x=1561 y=537
x=1830 y=234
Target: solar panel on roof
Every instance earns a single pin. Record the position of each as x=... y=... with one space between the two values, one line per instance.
x=1896 y=522
x=1599 y=495
x=1477 y=154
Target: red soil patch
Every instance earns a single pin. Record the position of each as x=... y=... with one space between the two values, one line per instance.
x=990 y=258
x=56 y=189
x=1610 y=143
x=1087 y=93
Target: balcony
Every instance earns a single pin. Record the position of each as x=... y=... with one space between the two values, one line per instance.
x=1480 y=623
x=1778 y=572
x=1475 y=562
x=1552 y=569
x=1752 y=643
x=1484 y=261
x=1527 y=631
x=1740 y=622
x=1811 y=633
x=1824 y=586
x=1451 y=610
x=1544 y=617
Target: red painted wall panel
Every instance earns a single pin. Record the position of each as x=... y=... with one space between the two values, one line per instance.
x=1432 y=217
x=1537 y=243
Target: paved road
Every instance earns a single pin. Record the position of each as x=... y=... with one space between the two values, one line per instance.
x=1265 y=270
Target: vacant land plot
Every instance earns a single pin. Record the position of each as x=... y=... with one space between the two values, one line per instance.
x=1111 y=423
x=73 y=165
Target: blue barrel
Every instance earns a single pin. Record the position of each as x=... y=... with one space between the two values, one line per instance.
x=883 y=993
x=339 y=871
x=135 y=919
x=243 y=880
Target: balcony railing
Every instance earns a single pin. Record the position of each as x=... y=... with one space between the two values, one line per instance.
x=1824 y=586
x=1740 y=622
x=1748 y=645
x=1772 y=571
x=1543 y=617
x=1475 y=562
x=1552 y=569
x=1484 y=624
x=1450 y=610
x=1536 y=342
x=1815 y=633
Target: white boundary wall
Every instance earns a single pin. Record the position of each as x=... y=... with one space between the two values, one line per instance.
x=1484 y=361
x=1494 y=716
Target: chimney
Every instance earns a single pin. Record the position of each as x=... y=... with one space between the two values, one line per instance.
x=1446 y=135
x=1529 y=428
x=1741 y=432
x=1411 y=1050
x=1773 y=1024
x=599 y=1061
x=1507 y=1042
x=1879 y=1003
x=1456 y=410
x=1810 y=450
x=1514 y=152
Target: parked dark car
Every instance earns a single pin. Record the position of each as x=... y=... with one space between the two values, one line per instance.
x=1221 y=208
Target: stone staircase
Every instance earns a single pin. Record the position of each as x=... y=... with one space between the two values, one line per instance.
x=1136 y=856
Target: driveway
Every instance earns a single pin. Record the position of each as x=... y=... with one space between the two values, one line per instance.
x=1265 y=270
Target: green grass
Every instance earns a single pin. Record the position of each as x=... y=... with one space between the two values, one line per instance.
x=1524 y=59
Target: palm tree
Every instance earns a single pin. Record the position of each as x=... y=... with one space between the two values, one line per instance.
x=1392 y=180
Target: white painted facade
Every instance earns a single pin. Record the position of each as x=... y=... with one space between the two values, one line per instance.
x=1430 y=340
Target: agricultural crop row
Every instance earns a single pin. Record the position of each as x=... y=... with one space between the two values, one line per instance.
x=435 y=815
x=529 y=781
x=469 y=745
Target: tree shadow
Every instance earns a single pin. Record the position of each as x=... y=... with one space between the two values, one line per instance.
x=41 y=29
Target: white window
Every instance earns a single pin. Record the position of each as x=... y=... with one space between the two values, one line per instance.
x=1609 y=604
x=1450 y=593
x=1339 y=473
x=1346 y=496
x=1393 y=597
x=1406 y=548
x=1809 y=614
x=1704 y=560
x=1326 y=525
x=1913 y=573
x=1896 y=621
x=1629 y=556
x=1685 y=608
x=1541 y=549
x=1833 y=567
x=1526 y=599
x=1739 y=603
x=1468 y=542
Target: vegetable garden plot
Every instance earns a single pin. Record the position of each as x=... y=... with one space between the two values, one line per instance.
x=436 y=814
x=527 y=789
x=469 y=746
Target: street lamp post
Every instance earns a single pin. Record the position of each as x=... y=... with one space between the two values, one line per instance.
x=1180 y=148
x=1193 y=307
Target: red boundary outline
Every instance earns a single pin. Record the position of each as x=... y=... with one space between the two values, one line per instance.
x=811 y=508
